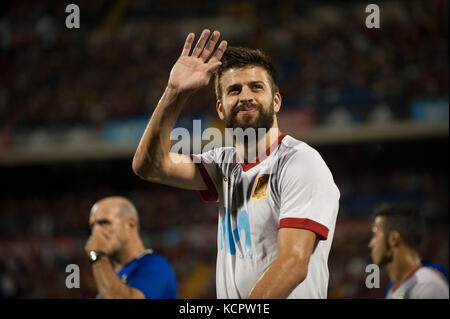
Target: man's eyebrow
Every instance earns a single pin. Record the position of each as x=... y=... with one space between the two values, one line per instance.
x=236 y=85
x=99 y=221
x=233 y=86
x=257 y=82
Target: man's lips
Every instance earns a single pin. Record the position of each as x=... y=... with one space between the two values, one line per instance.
x=248 y=111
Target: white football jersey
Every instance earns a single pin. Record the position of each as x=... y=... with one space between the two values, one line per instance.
x=422 y=283
x=291 y=187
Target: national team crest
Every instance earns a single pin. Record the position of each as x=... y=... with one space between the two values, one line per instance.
x=261 y=186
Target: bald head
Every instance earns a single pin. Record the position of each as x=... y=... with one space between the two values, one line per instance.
x=114 y=221
x=114 y=207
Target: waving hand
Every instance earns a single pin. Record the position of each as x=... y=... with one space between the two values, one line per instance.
x=193 y=71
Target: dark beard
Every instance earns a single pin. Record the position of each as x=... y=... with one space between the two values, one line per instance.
x=263 y=120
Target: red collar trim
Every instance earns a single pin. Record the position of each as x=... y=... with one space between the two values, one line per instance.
x=395 y=287
x=272 y=147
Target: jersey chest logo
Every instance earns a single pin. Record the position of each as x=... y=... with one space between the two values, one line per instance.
x=261 y=186
x=230 y=237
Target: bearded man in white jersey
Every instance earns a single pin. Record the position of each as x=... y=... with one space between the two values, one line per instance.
x=397 y=235
x=278 y=202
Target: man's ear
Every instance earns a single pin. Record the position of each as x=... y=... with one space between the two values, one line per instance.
x=394 y=238
x=276 y=102
x=219 y=109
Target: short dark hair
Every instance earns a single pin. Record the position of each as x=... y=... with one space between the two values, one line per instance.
x=240 y=57
x=405 y=219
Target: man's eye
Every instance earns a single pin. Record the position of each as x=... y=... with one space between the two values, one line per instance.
x=257 y=86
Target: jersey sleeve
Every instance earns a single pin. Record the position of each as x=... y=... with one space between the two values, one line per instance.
x=155 y=278
x=207 y=165
x=309 y=197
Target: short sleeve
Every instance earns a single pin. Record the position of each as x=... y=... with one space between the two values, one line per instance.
x=155 y=278
x=207 y=165
x=309 y=197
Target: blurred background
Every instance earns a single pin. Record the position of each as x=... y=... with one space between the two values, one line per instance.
x=74 y=103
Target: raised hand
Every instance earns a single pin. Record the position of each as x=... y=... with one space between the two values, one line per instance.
x=194 y=71
x=99 y=240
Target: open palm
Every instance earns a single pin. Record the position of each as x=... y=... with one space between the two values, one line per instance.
x=194 y=71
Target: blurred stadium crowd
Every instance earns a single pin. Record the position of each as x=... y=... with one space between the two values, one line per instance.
x=116 y=65
x=59 y=85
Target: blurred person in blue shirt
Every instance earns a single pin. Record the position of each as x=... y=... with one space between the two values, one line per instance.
x=121 y=265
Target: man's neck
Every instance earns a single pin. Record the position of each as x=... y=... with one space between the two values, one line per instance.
x=250 y=152
x=404 y=262
x=132 y=250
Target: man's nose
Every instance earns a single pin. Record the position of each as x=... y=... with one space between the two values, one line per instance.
x=246 y=95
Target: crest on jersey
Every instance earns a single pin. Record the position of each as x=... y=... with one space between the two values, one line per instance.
x=261 y=186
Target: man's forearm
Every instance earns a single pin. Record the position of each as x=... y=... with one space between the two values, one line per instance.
x=155 y=142
x=108 y=283
x=278 y=281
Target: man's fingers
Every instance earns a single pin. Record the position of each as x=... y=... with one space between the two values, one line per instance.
x=188 y=44
x=88 y=244
x=213 y=67
x=210 y=46
x=105 y=235
x=201 y=43
x=219 y=52
x=99 y=233
x=95 y=230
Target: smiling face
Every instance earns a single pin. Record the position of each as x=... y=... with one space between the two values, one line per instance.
x=381 y=253
x=247 y=98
